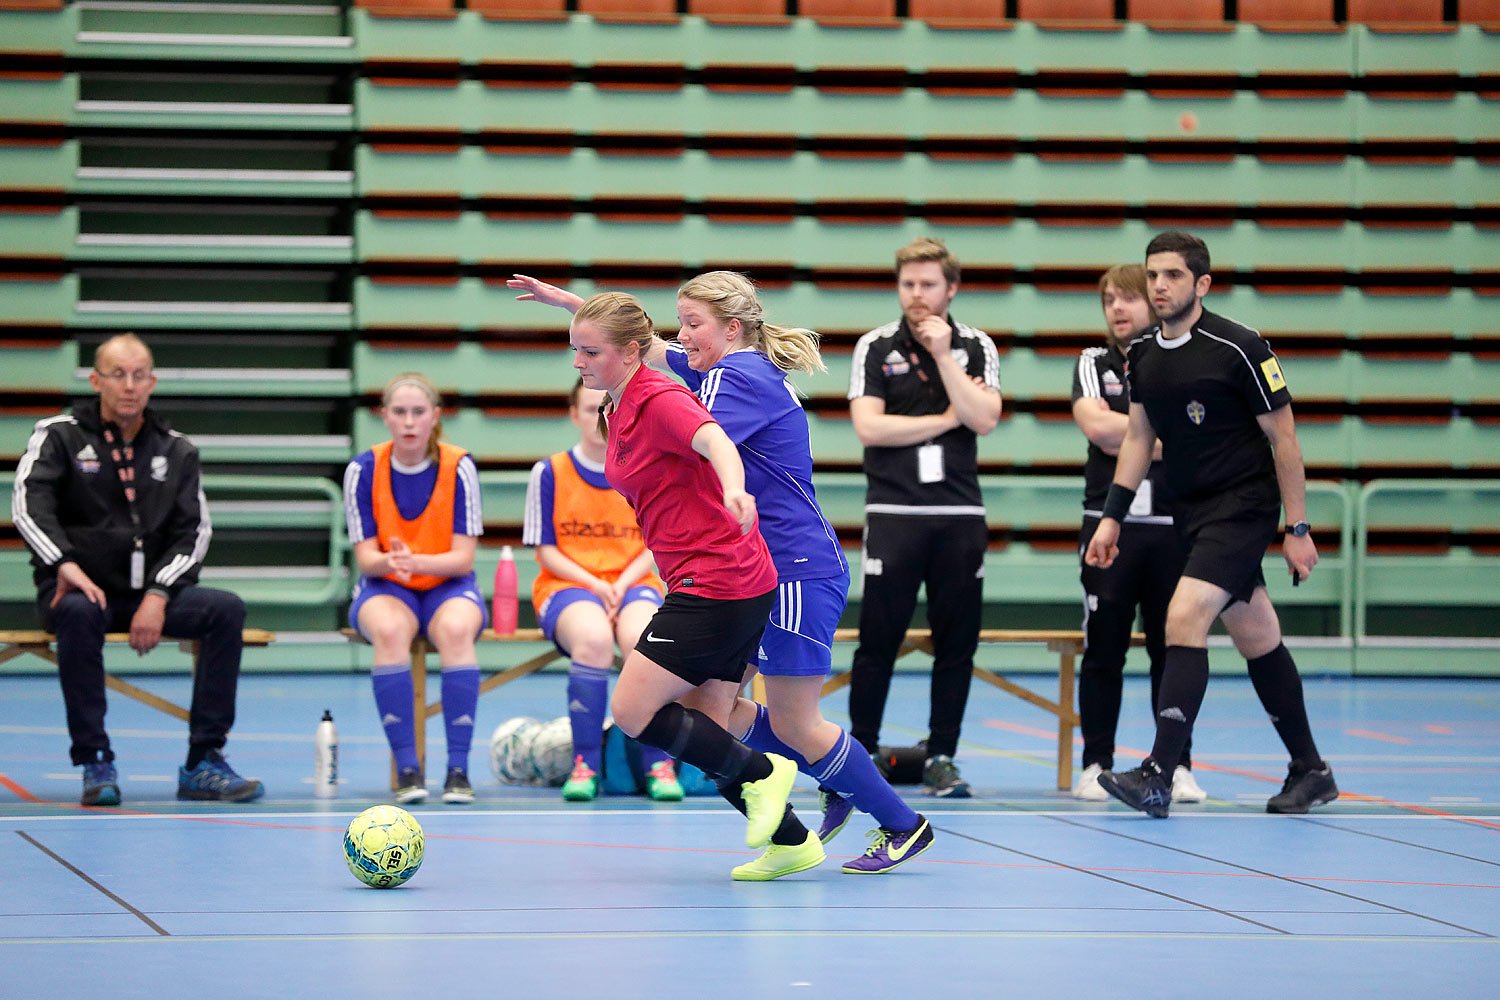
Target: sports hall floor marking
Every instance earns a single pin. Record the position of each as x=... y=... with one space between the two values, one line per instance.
x=1292 y=880
x=81 y=874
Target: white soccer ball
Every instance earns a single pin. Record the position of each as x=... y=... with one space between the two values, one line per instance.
x=510 y=750
x=552 y=752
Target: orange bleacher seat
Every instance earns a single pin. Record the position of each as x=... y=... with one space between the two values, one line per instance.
x=1412 y=12
x=520 y=9
x=417 y=7
x=1272 y=13
x=848 y=10
x=1062 y=12
x=959 y=13
x=730 y=9
x=1176 y=13
x=652 y=10
x=1479 y=12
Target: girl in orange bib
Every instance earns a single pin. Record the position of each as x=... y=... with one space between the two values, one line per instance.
x=413 y=510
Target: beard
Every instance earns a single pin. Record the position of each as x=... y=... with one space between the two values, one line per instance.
x=1167 y=319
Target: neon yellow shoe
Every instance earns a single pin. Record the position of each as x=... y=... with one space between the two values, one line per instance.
x=662 y=784
x=582 y=785
x=765 y=800
x=779 y=861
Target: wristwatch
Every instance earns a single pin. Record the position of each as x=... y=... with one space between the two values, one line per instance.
x=1299 y=530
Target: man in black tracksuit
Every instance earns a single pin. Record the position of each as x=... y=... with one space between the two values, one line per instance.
x=921 y=390
x=1150 y=560
x=108 y=499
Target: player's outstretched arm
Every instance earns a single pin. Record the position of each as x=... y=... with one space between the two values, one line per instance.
x=536 y=290
x=712 y=443
x=1281 y=430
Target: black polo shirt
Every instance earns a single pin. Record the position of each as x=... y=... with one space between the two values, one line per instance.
x=1203 y=393
x=892 y=365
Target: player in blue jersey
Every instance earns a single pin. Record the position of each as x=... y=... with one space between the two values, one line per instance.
x=737 y=364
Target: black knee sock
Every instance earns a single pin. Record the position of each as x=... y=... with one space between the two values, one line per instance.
x=1184 y=678
x=689 y=735
x=1280 y=690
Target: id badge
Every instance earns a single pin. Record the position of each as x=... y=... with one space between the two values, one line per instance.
x=1141 y=505
x=137 y=569
x=930 y=463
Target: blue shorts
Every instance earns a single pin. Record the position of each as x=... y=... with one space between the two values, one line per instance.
x=552 y=608
x=798 y=641
x=423 y=603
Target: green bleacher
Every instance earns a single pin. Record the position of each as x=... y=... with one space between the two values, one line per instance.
x=345 y=197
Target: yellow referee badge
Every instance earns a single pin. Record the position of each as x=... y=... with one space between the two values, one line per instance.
x=1274 y=379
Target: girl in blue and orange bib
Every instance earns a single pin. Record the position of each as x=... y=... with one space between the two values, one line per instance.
x=596 y=585
x=413 y=510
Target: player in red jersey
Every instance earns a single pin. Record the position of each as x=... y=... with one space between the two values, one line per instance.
x=683 y=477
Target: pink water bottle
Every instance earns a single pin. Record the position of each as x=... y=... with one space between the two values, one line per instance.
x=503 y=608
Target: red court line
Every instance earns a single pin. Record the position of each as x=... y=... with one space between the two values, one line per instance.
x=1370 y=734
x=1438 y=730
x=18 y=791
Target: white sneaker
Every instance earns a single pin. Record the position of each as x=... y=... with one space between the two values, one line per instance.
x=1088 y=787
x=1185 y=787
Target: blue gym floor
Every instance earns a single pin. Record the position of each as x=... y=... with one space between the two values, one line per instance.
x=1393 y=891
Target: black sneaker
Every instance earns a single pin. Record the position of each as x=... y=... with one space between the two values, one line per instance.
x=411 y=786
x=1144 y=788
x=1303 y=789
x=456 y=790
x=940 y=777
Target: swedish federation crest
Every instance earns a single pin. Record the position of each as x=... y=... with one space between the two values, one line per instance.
x=1196 y=412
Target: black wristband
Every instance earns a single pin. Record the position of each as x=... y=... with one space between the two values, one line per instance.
x=1117 y=502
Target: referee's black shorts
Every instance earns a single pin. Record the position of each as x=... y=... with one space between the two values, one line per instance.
x=706 y=639
x=1228 y=534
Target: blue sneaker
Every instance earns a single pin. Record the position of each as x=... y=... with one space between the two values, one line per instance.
x=213 y=780
x=889 y=849
x=101 y=787
x=836 y=813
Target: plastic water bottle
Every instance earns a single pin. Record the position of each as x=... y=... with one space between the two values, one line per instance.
x=504 y=605
x=326 y=758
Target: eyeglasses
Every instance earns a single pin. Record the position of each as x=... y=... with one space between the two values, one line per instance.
x=128 y=378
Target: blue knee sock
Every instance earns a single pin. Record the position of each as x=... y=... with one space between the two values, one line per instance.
x=761 y=737
x=460 y=702
x=393 y=700
x=588 y=699
x=848 y=770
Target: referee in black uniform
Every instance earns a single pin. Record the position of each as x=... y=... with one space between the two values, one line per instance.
x=920 y=392
x=1150 y=561
x=1215 y=395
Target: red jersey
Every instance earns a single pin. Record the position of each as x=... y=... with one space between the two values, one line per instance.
x=676 y=495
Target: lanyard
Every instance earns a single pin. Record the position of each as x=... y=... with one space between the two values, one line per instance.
x=122 y=454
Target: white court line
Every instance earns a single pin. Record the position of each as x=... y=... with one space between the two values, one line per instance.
x=251 y=817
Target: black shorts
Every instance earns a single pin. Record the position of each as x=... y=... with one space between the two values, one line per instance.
x=705 y=639
x=1227 y=536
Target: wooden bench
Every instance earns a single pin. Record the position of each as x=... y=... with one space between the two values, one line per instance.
x=1067 y=644
x=14 y=643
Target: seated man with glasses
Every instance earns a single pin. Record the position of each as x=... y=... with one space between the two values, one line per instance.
x=107 y=497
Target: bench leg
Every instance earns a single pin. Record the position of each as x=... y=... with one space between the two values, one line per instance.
x=419 y=651
x=1065 y=720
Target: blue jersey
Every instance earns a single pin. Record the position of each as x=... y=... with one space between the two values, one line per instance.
x=759 y=410
x=411 y=489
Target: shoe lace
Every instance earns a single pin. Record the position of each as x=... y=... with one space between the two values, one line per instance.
x=581 y=771
x=662 y=770
x=879 y=837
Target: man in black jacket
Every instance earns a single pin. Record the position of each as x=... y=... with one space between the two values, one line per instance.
x=107 y=497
